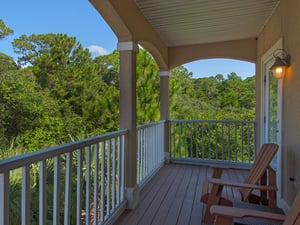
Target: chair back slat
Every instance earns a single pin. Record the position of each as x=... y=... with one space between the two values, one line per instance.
x=259 y=167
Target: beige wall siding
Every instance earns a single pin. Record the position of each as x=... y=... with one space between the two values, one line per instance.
x=285 y=23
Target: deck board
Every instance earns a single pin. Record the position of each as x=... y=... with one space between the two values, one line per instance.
x=172 y=196
x=167 y=202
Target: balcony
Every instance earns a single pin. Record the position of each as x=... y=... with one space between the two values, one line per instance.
x=84 y=182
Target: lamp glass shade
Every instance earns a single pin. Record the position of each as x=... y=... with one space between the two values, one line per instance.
x=278 y=71
x=278 y=68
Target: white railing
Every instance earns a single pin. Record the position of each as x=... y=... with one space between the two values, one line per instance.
x=212 y=141
x=150 y=154
x=76 y=183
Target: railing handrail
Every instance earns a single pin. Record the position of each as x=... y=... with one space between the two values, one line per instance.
x=31 y=157
x=213 y=121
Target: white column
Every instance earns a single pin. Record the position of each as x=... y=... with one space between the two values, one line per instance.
x=128 y=52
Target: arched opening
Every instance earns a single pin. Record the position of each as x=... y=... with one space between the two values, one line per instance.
x=212 y=67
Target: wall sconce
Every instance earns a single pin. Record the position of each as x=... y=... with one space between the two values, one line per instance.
x=282 y=61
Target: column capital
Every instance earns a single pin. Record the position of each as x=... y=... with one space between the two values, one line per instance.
x=164 y=73
x=127 y=46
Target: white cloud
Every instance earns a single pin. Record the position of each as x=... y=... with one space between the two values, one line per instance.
x=97 y=50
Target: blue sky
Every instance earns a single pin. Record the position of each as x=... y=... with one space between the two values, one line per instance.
x=79 y=18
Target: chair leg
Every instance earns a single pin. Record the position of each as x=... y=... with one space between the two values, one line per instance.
x=224 y=220
x=208 y=217
x=214 y=200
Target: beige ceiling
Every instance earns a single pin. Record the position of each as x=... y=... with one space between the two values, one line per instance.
x=176 y=32
x=187 y=22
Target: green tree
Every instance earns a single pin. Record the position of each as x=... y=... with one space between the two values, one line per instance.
x=147 y=88
x=62 y=66
x=4 y=30
x=109 y=68
x=183 y=101
x=7 y=64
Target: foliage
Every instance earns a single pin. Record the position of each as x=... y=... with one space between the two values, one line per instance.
x=58 y=93
x=4 y=30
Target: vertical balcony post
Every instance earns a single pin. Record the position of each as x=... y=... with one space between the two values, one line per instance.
x=164 y=109
x=128 y=52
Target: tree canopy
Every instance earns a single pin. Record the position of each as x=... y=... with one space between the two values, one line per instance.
x=56 y=92
x=4 y=30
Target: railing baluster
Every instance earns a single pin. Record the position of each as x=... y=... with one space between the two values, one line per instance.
x=119 y=170
x=145 y=160
x=202 y=138
x=222 y=141
x=143 y=150
x=174 y=139
x=209 y=147
x=217 y=148
x=79 y=187
x=88 y=185
x=138 y=173
x=122 y=163
x=248 y=141
x=102 y=200
x=197 y=136
x=229 y=140
x=151 y=149
x=96 y=175
x=191 y=140
x=185 y=141
x=25 y=214
x=42 y=192
x=113 y=189
x=235 y=142
x=56 y=191
x=68 y=190
x=242 y=141
x=4 y=198
x=179 y=143
x=108 y=179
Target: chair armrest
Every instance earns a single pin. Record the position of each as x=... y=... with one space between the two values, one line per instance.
x=218 y=169
x=241 y=185
x=229 y=167
x=225 y=211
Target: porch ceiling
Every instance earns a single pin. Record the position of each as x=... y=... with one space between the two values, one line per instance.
x=180 y=31
x=188 y=22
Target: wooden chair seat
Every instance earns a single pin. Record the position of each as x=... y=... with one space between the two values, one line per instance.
x=251 y=220
x=225 y=215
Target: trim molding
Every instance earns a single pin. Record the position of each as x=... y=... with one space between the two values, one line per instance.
x=164 y=73
x=127 y=46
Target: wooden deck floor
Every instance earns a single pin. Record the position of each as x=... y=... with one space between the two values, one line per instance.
x=172 y=197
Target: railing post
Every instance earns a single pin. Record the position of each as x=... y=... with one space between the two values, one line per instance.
x=4 y=198
x=128 y=52
x=164 y=110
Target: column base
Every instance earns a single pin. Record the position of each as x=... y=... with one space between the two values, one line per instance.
x=132 y=196
x=167 y=157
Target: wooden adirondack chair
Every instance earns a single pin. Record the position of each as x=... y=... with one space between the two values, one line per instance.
x=261 y=177
x=225 y=215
